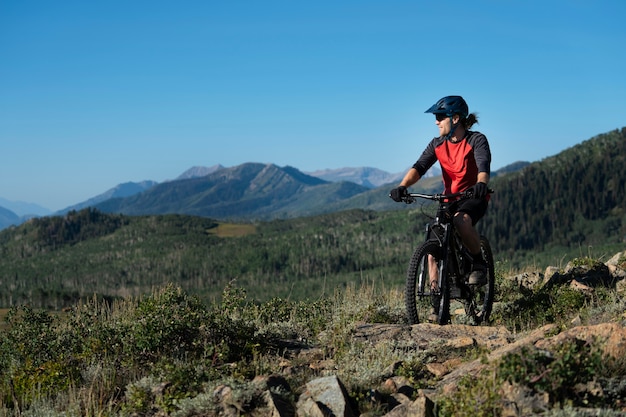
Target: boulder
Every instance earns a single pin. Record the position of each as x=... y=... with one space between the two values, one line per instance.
x=323 y=397
x=528 y=279
x=610 y=336
x=588 y=275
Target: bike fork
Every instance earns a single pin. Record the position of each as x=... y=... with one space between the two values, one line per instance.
x=439 y=297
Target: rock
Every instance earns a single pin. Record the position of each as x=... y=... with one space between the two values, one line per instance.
x=399 y=411
x=579 y=286
x=323 y=396
x=224 y=396
x=528 y=279
x=397 y=384
x=424 y=334
x=589 y=275
x=377 y=332
x=277 y=406
x=593 y=276
x=462 y=342
x=421 y=407
x=616 y=272
x=461 y=335
x=437 y=369
x=222 y=392
x=449 y=382
x=557 y=278
x=615 y=260
x=551 y=270
x=397 y=399
x=441 y=369
x=612 y=337
x=519 y=400
x=272 y=382
x=309 y=408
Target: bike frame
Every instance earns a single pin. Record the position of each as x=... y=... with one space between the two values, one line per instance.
x=453 y=261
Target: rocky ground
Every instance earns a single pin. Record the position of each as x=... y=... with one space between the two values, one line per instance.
x=327 y=395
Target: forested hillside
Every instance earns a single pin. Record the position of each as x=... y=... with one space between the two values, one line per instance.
x=52 y=262
x=577 y=197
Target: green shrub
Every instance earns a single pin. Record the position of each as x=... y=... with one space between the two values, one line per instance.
x=585 y=261
x=32 y=335
x=139 y=396
x=166 y=324
x=476 y=396
x=38 y=362
x=526 y=309
x=555 y=373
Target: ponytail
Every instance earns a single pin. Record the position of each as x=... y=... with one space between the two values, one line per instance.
x=469 y=121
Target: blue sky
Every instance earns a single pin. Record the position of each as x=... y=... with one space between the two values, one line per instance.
x=96 y=93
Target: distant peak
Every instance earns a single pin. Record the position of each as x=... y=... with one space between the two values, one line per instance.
x=199 y=171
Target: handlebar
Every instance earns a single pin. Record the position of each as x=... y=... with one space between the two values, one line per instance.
x=412 y=197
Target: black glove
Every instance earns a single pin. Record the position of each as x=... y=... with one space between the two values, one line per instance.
x=397 y=194
x=479 y=190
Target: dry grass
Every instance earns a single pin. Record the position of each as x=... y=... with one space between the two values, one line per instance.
x=233 y=230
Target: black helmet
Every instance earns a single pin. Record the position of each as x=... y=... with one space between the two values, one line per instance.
x=450 y=106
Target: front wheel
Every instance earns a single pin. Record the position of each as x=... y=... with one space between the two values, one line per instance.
x=481 y=303
x=419 y=299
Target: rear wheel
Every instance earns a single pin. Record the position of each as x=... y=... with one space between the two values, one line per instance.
x=481 y=303
x=419 y=299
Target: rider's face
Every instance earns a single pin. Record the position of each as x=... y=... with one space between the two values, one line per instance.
x=443 y=123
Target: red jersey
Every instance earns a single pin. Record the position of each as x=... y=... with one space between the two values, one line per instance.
x=460 y=162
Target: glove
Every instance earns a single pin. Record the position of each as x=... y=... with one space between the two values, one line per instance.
x=397 y=194
x=478 y=190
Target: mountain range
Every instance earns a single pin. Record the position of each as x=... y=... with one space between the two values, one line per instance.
x=126 y=189
x=250 y=190
x=254 y=191
x=24 y=209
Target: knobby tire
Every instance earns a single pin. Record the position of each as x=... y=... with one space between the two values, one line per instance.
x=490 y=287
x=417 y=287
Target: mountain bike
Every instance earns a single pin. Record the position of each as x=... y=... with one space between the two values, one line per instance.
x=443 y=255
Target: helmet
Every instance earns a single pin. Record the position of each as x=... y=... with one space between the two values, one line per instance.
x=450 y=106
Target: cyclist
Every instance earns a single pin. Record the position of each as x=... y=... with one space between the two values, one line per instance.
x=465 y=160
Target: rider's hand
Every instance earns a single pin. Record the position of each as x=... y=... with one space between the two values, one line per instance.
x=397 y=194
x=479 y=190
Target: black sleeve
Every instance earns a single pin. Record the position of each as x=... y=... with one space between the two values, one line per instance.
x=482 y=153
x=427 y=160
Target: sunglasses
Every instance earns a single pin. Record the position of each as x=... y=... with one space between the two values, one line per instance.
x=440 y=116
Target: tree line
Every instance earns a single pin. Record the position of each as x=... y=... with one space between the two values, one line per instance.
x=573 y=198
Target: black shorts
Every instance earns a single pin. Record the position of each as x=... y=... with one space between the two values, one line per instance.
x=474 y=207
